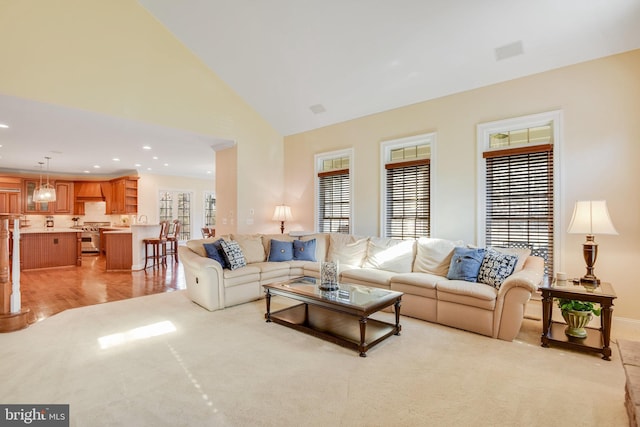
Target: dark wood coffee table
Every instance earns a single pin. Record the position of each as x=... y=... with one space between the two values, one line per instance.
x=341 y=316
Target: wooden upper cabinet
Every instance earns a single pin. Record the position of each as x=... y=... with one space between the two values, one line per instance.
x=10 y=194
x=30 y=206
x=64 y=197
x=124 y=196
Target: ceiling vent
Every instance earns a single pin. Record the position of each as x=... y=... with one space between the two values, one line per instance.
x=317 y=109
x=509 y=50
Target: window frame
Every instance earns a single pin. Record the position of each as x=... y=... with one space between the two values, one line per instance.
x=318 y=163
x=186 y=229
x=484 y=130
x=385 y=154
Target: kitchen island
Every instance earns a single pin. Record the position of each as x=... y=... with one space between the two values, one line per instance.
x=50 y=247
x=118 y=249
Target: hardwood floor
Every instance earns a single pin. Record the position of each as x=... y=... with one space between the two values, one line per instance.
x=50 y=291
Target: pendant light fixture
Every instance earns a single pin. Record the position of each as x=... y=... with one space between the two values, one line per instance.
x=46 y=192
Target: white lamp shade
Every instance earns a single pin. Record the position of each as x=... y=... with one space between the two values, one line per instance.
x=282 y=213
x=591 y=217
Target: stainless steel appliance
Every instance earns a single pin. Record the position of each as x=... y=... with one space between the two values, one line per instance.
x=91 y=236
x=49 y=221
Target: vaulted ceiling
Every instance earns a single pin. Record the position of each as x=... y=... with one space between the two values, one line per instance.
x=303 y=64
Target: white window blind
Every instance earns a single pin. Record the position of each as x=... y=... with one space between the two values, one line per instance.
x=519 y=200
x=408 y=199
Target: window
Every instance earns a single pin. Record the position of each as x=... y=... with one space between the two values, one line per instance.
x=519 y=185
x=334 y=192
x=406 y=211
x=209 y=209
x=177 y=205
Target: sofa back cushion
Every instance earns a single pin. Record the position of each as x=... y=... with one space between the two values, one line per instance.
x=267 y=238
x=251 y=246
x=434 y=255
x=322 y=244
x=390 y=254
x=197 y=245
x=347 y=249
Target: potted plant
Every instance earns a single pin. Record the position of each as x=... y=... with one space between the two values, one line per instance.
x=577 y=314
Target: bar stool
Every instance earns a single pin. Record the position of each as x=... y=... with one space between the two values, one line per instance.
x=158 y=247
x=172 y=240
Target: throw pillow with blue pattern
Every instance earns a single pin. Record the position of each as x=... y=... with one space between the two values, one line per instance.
x=233 y=253
x=465 y=264
x=496 y=267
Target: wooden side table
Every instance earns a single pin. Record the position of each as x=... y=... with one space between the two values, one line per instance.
x=597 y=340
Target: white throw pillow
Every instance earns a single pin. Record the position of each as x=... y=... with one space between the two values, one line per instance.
x=434 y=255
x=390 y=254
x=347 y=249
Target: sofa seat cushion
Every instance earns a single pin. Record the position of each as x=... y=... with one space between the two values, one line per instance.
x=270 y=270
x=467 y=293
x=420 y=284
x=373 y=276
x=240 y=276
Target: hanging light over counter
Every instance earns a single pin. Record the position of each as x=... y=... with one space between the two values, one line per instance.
x=46 y=192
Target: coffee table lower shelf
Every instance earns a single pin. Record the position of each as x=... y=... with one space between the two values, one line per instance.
x=334 y=326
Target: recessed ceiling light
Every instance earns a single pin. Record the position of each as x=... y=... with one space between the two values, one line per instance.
x=155 y=157
x=166 y=164
x=146 y=147
x=209 y=172
x=137 y=165
x=96 y=166
x=115 y=159
x=2 y=125
x=148 y=169
x=86 y=171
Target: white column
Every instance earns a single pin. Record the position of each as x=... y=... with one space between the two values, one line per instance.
x=15 y=267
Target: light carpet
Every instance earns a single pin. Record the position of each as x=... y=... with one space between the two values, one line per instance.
x=230 y=368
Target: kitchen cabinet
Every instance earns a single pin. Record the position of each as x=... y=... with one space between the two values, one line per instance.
x=124 y=196
x=62 y=205
x=30 y=205
x=10 y=202
x=45 y=249
x=64 y=197
x=118 y=250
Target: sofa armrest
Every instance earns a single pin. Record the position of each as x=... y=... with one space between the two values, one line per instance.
x=529 y=277
x=204 y=279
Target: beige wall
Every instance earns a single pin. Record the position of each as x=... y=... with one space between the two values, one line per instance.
x=600 y=152
x=114 y=58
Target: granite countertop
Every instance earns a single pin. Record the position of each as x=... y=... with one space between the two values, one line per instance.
x=117 y=232
x=32 y=230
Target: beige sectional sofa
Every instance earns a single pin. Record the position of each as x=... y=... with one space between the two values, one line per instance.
x=418 y=268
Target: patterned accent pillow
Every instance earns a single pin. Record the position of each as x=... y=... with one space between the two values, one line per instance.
x=304 y=250
x=233 y=253
x=465 y=264
x=496 y=267
x=280 y=251
x=215 y=252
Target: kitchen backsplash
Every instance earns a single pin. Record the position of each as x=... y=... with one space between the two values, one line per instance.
x=94 y=212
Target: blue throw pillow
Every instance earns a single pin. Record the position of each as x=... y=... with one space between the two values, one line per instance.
x=215 y=252
x=304 y=250
x=496 y=267
x=465 y=264
x=280 y=251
